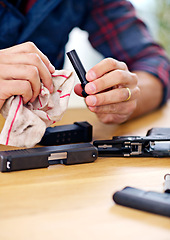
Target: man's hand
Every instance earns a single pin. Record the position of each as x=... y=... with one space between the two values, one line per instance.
x=113 y=91
x=22 y=68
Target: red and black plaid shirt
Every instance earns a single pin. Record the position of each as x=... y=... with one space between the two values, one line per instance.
x=27 y=5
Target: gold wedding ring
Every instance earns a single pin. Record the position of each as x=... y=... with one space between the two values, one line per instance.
x=129 y=94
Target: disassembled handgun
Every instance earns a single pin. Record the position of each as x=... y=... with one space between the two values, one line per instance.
x=154 y=144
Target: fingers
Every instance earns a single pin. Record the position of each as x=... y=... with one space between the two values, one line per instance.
x=10 y=88
x=29 y=47
x=103 y=67
x=115 y=113
x=31 y=63
x=112 y=106
x=112 y=118
x=122 y=108
x=109 y=73
x=112 y=91
x=23 y=67
x=22 y=72
x=110 y=80
x=113 y=96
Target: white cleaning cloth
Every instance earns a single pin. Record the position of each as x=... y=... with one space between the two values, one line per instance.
x=25 y=125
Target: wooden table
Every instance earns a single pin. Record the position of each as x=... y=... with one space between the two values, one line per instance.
x=75 y=202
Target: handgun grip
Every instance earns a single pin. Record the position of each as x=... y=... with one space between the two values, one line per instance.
x=153 y=202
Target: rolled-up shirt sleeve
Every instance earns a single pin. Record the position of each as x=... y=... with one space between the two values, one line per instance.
x=116 y=31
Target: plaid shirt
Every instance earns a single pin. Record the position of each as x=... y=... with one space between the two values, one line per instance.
x=115 y=31
x=113 y=27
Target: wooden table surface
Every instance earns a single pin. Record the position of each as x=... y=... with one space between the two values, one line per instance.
x=75 y=202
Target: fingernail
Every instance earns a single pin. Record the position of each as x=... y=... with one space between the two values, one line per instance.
x=90 y=88
x=91 y=100
x=91 y=75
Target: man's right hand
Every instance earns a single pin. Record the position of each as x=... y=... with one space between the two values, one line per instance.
x=22 y=68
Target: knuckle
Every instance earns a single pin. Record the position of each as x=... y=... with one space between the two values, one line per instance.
x=112 y=118
x=120 y=119
x=121 y=74
x=26 y=90
x=26 y=86
x=35 y=58
x=110 y=61
x=30 y=46
x=105 y=120
x=124 y=66
x=45 y=59
x=34 y=73
x=135 y=78
x=136 y=93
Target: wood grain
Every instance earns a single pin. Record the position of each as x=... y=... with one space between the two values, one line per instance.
x=75 y=202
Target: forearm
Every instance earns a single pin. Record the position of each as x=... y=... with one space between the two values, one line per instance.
x=151 y=93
